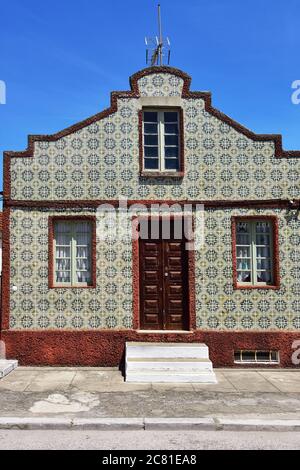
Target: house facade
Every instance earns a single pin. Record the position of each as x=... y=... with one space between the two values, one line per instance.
x=77 y=280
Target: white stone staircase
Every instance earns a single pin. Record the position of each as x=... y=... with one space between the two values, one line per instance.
x=168 y=362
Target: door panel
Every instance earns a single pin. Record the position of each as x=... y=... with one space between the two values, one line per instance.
x=163 y=283
x=175 y=285
x=150 y=284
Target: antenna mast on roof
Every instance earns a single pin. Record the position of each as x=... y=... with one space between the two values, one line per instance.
x=157 y=47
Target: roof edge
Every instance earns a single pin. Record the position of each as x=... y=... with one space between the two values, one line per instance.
x=134 y=93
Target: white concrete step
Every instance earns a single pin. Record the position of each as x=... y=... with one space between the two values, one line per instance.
x=7 y=366
x=168 y=364
x=208 y=377
x=156 y=350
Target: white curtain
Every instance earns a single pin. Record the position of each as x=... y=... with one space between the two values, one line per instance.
x=72 y=239
x=83 y=250
x=63 y=252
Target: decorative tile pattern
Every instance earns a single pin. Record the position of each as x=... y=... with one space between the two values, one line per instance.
x=34 y=305
x=101 y=162
x=160 y=84
x=218 y=305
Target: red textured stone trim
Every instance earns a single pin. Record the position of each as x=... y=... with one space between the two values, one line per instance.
x=134 y=93
x=107 y=347
x=86 y=204
x=136 y=274
x=274 y=220
x=162 y=174
x=5 y=286
x=51 y=221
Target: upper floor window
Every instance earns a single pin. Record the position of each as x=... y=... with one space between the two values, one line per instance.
x=254 y=253
x=161 y=140
x=72 y=253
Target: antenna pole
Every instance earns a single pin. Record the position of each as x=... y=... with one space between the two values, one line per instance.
x=160 y=36
x=157 y=47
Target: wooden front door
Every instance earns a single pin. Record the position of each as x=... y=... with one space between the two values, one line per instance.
x=163 y=283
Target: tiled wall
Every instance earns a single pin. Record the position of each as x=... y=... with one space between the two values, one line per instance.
x=34 y=305
x=101 y=162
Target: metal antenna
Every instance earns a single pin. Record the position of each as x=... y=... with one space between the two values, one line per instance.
x=158 y=47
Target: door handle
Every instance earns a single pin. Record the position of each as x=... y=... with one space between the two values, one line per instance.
x=166 y=274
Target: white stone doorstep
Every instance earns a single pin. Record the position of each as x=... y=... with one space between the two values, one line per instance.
x=7 y=366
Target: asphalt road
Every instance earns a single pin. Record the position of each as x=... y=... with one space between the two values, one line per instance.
x=147 y=440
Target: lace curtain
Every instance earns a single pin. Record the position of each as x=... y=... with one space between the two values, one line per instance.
x=72 y=252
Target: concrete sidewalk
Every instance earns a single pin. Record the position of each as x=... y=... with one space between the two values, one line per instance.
x=98 y=398
x=108 y=379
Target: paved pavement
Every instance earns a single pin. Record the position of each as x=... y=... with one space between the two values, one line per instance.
x=33 y=392
x=148 y=440
x=97 y=379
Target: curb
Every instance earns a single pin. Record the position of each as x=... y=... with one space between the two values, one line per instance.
x=172 y=424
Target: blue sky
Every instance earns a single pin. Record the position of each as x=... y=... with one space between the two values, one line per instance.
x=60 y=59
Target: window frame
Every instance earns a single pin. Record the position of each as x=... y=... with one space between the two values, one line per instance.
x=52 y=252
x=161 y=171
x=274 y=258
x=256 y=360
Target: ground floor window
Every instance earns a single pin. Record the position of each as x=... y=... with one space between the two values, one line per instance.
x=254 y=252
x=72 y=252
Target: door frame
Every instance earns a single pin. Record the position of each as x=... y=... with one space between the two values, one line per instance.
x=136 y=273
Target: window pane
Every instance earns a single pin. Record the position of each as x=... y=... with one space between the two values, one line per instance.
x=171 y=164
x=62 y=265
x=171 y=152
x=262 y=227
x=171 y=140
x=151 y=164
x=151 y=140
x=62 y=276
x=263 y=355
x=264 y=264
x=242 y=227
x=170 y=116
x=243 y=252
x=253 y=239
x=248 y=356
x=83 y=276
x=274 y=356
x=262 y=239
x=150 y=116
x=263 y=252
x=244 y=264
x=150 y=128
x=84 y=227
x=62 y=227
x=244 y=276
x=76 y=234
x=83 y=239
x=264 y=276
x=82 y=252
x=82 y=264
x=243 y=239
x=62 y=252
x=63 y=238
x=171 y=128
x=151 y=152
